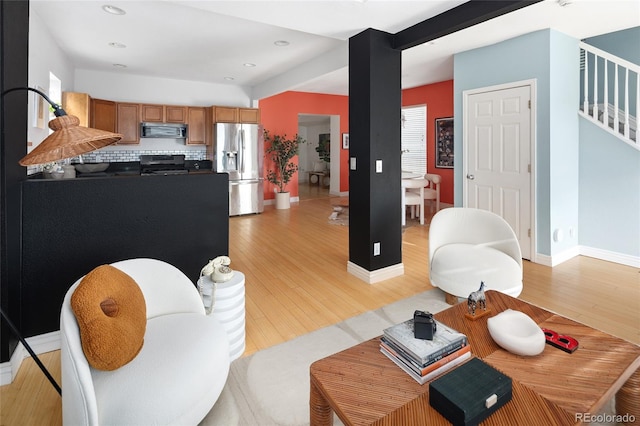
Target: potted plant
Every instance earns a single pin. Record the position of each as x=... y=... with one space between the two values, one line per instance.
x=281 y=151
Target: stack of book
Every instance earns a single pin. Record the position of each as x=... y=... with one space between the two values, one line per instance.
x=424 y=359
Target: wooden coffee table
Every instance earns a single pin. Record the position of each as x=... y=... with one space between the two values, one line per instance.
x=363 y=387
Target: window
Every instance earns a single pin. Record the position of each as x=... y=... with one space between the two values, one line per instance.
x=414 y=139
x=55 y=92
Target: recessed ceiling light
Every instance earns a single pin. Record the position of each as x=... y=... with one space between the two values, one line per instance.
x=249 y=65
x=119 y=65
x=229 y=78
x=281 y=43
x=113 y=10
x=117 y=45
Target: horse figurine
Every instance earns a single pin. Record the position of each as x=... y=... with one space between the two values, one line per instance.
x=477 y=299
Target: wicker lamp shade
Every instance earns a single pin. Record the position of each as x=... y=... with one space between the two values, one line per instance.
x=68 y=140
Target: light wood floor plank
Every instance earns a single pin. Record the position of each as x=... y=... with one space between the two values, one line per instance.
x=295 y=264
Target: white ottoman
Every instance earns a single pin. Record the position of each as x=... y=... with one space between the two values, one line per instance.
x=225 y=302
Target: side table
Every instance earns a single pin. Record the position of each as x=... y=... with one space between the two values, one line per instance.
x=225 y=301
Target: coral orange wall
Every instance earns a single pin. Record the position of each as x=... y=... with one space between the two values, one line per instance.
x=279 y=114
x=439 y=100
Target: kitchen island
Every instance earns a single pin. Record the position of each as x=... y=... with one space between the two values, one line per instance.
x=70 y=226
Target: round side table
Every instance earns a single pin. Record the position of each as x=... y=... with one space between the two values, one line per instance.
x=225 y=301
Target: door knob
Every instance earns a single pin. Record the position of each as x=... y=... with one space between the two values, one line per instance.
x=471 y=177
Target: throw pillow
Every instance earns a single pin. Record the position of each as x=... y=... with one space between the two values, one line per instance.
x=112 y=316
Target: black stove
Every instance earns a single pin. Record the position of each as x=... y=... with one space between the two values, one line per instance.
x=162 y=165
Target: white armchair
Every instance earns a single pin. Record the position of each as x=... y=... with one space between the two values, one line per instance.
x=175 y=378
x=467 y=246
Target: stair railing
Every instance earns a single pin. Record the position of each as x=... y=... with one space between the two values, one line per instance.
x=605 y=73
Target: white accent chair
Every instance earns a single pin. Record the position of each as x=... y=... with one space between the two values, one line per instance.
x=177 y=376
x=467 y=246
x=413 y=199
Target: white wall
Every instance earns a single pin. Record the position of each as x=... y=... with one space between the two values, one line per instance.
x=117 y=86
x=44 y=56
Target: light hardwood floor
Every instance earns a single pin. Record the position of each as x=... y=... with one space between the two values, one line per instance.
x=296 y=282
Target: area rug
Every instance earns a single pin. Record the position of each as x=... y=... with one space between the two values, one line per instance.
x=271 y=387
x=339 y=216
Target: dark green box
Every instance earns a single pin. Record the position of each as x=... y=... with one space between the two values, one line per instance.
x=470 y=393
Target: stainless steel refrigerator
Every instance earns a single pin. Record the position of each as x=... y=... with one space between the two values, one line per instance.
x=238 y=151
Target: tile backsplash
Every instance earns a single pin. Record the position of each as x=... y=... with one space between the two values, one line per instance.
x=134 y=155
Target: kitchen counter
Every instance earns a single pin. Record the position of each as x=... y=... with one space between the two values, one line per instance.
x=132 y=168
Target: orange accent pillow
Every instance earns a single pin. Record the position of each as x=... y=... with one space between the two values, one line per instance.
x=112 y=316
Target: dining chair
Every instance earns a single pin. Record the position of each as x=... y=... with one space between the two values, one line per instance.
x=432 y=191
x=414 y=199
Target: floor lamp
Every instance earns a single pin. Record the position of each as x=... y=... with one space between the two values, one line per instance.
x=68 y=140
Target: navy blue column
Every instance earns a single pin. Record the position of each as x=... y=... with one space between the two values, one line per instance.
x=374 y=134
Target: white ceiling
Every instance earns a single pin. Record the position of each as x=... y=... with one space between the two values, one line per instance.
x=212 y=40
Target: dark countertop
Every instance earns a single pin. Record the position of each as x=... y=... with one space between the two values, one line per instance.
x=132 y=168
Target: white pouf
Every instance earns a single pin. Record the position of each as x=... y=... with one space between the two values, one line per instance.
x=516 y=332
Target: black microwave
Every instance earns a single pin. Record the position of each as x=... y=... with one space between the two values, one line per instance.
x=163 y=130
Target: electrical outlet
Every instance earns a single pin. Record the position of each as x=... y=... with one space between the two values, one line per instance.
x=352 y=163
x=378 y=166
x=376 y=249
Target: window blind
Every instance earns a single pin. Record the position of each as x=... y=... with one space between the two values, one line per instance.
x=414 y=139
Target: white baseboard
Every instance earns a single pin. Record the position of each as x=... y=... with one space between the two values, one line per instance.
x=40 y=344
x=609 y=256
x=378 y=275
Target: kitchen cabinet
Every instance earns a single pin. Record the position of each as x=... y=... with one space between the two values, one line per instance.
x=236 y=115
x=152 y=113
x=196 y=119
x=78 y=104
x=128 y=123
x=175 y=114
x=249 y=115
x=225 y=115
x=103 y=115
x=163 y=113
x=96 y=113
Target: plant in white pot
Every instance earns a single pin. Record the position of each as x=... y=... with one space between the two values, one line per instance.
x=281 y=151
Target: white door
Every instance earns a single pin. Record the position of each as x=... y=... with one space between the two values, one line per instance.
x=497 y=144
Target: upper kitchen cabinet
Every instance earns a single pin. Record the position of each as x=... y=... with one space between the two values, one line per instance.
x=152 y=113
x=78 y=104
x=196 y=119
x=163 y=113
x=103 y=115
x=96 y=113
x=235 y=115
x=128 y=123
x=175 y=114
x=249 y=115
